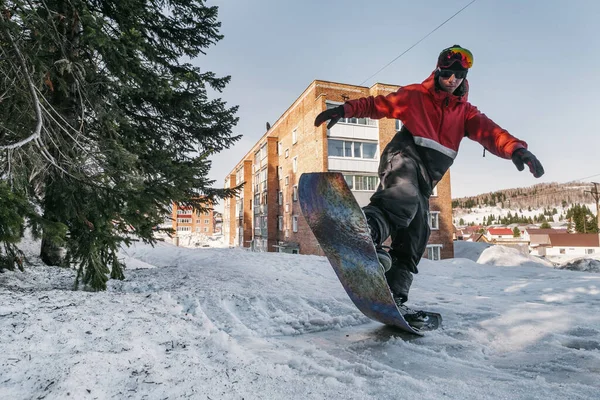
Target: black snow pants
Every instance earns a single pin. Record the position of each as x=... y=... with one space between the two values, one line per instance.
x=400 y=209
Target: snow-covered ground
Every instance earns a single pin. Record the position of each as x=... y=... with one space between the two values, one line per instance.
x=231 y=324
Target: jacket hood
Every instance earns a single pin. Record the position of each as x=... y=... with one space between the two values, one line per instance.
x=460 y=94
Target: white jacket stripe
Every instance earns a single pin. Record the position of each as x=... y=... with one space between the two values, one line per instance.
x=432 y=144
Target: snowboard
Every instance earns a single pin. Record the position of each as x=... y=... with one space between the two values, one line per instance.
x=341 y=229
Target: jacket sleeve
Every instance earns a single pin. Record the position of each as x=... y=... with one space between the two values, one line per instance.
x=491 y=136
x=394 y=105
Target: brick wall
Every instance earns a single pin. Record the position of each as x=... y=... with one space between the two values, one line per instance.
x=247 y=221
x=443 y=203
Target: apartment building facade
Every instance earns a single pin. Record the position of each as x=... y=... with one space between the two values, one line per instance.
x=187 y=221
x=266 y=215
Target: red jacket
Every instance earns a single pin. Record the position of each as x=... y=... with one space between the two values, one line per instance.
x=436 y=119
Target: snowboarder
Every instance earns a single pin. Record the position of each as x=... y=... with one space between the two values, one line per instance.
x=435 y=117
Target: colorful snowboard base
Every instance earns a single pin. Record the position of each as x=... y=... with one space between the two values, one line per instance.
x=338 y=223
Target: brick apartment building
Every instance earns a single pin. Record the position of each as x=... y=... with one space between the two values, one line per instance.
x=266 y=215
x=186 y=221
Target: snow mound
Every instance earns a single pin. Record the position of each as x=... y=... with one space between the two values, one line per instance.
x=502 y=256
x=582 y=264
x=469 y=250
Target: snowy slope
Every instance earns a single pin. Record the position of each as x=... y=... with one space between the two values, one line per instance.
x=477 y=214
x=231 y=324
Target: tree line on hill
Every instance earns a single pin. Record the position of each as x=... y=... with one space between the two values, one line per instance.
x=543 y=195
x=579 y=218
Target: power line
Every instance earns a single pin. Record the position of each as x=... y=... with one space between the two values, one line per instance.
x=587 y=177
x=423 y=38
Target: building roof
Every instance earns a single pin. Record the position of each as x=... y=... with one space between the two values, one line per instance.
x=500 y=231
x=539 y=231
x=472 y=229
x=575 y=240
x=477 y=237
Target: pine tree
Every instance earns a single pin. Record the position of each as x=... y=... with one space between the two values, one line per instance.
x=109 y=121
x=582 y=218
x=545 y=225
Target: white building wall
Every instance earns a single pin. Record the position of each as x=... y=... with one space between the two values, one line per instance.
x=353 y=165
x=573 y=251
x=354 y=131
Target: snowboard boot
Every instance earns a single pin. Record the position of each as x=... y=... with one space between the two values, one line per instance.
x=416 y=319
x=399 y=279
x=385 y=260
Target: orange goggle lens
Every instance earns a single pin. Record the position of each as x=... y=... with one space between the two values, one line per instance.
x=454 y=54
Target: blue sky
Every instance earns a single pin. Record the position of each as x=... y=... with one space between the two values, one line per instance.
x=535 y=72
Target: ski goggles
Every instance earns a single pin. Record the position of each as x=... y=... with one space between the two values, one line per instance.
x=447 y=73
x=455 y=54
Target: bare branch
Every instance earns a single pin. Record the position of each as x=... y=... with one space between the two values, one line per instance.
x=36 y=102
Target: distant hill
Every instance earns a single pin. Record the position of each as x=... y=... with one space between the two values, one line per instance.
x=540 y=196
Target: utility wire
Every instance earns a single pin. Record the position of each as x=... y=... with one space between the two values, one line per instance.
x=587 y=177
x=423 y=38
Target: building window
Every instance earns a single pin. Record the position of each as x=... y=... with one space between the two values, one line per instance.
x=206 y=221
x=434 y=220
x=295 y=164
x=198 y=230
x=184 y=211
x=280 y=173
x=294 y=136
x=263 y=179
x=434 y=193
x=280 y=198
x=287 y=180
x=350 y=149
x=287 y=153
x=349 y=181
x=184 y=229
x=206 y=229
x=562 y=251
x=263 y=151
x=184 y=220
x=362 y=182
x=398 y=125
x=589 y=251
x=280 y=222
x=279 y=148
x=287 y=208
x=294 y=223
x=433 y=252
x=295 y=193
x=356 y=121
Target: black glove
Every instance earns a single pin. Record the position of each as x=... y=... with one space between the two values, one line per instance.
x=520 y=157
x=333 y=114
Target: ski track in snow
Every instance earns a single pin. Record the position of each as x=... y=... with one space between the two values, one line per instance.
x=230 y=324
